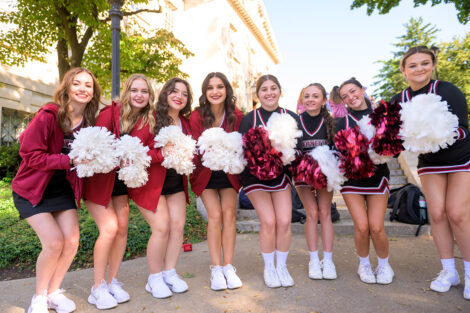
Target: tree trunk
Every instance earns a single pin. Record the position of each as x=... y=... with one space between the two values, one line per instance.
x=63 y=58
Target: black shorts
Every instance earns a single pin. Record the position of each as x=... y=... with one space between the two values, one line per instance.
x=54 y=204
x=218 y=180
x=119 y=188
x=173 y=183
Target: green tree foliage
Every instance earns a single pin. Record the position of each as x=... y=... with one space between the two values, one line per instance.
x=390 y=80
x=80 y=32
x=454 y=63
x=384 y=6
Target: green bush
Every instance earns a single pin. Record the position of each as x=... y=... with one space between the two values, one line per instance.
x=19 y=245
x=9 y=160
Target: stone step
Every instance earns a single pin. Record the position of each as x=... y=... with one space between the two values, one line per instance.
x=345 y=227
x=398 y=180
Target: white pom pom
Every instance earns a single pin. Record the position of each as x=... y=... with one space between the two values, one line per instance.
x=130 y=150
x=377 y=158
x=222 y=151
x=366 y=127
x=96 y=146
x=181 y=157
x=329 y=165
x=427 y=124
x=283 y=134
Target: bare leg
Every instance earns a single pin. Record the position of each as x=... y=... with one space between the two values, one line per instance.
x=311 y=208
x=121 y=206
x=228 y=199
x=357 y=207
x=210 y=198
x=282 y=202
x=376 y=207
x=68 y=223
x=177 y=212
x=264 y=207
x=327 y=230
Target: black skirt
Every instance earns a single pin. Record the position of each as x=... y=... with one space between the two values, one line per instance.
x=218 y=180
x=57 y=197
x=119 y=188
x=173 y=183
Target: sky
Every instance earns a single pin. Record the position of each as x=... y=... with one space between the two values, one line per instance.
x=327 y=42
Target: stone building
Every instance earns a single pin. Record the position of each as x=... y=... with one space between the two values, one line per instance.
x=230 y=36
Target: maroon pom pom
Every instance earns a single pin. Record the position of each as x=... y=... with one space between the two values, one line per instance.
x=386 y=119
x=352 y=146
x=263 y=160
x=308 y=170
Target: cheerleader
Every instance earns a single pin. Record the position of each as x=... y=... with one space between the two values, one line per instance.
x=318 y=129
x=46 y=192
x=445 y=174
x=167 y=223
x=218 y=191
x=107 y=197
x=271 y=198
x=366 y=198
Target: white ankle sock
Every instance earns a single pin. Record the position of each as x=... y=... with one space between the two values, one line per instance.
x=383 y=261
x=466 y=264
x=313 y=255
x=328 y=256
x=281 y=258
x=169 y=272
x=449 y=265
x=364 y=260
x=268 y=259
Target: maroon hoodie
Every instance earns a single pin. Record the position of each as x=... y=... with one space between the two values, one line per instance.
x=40 y=148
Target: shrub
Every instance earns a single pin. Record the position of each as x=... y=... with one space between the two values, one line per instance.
x=9 y=160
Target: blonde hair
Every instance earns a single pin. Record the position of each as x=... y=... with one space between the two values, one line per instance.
x=129 y=119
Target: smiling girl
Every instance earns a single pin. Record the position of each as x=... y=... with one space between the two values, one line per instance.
x=366 y=198
x=445 y=174
x=46 y=192
x=271 y=198
x=318 y=129
x=167 y=223
x=107 y=197
x=217 y=189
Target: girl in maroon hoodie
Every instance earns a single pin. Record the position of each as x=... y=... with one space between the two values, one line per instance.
x=217 y=190
x=45 y=191
x=107 y=197
x=167 y=223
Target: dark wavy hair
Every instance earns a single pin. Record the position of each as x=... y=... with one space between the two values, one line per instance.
x=354 y=81
x=62 y=99
x=163 y=119
x=207 y=117
x=330 y=122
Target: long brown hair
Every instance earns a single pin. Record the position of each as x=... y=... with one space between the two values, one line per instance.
x=163 y=118
x=62 y=99
x=128 y=119
x=265 y=78
x=207 y=115
x=329 y=120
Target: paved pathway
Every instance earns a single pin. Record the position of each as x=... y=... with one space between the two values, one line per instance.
x=414 y=260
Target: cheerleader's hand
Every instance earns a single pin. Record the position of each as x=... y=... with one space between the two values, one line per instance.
x=125 y=163
x=168 y=149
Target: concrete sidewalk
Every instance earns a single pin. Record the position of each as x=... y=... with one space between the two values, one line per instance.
x=414 y=261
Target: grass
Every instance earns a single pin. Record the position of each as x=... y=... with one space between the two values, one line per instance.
x=19 y=245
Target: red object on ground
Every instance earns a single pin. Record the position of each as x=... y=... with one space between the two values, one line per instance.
x=187 y=247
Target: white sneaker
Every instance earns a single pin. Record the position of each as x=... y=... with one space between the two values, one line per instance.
x=115 y=289
x=365 y=274
x=59 y=302
x=329 y=269
x=233 y=281
x=466 y=291
x=38 y=304
x=384 y=274
x=101 y=297
x=271 y=279
x=284 y=276
x=218 y=281
x=445 y=280
x=157 y=287
x=174 y=282
x=314 y=269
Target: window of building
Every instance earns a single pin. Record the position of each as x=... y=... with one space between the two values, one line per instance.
x=13 y=123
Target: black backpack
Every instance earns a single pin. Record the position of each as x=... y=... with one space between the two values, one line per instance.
x=405 y=204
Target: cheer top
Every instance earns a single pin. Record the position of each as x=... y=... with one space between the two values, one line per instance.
x=257 y=118
x=377 y=183
x=314 y=131
x=455 y=158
